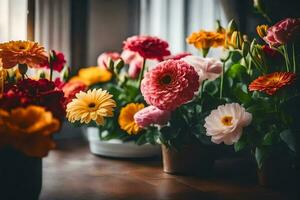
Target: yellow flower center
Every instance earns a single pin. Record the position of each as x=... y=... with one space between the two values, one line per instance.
x=227 y=120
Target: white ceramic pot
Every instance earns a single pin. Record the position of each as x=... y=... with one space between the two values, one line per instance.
x=118 y=148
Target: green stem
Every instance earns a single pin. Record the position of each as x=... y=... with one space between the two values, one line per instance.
x=142 y=72
x=255 y=63
x=202 y=89
x=286 y=58
x=222 y=80
x=294 y=58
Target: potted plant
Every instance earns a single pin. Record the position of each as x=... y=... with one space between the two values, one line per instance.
x=31 y=111
x=264 y=79
x=120 y=75
x=184 y=89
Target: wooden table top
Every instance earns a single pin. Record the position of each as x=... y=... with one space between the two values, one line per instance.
x=72 y=173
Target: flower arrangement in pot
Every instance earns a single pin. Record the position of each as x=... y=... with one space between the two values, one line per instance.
x=272 y=96
x=120 y=75
x=32 y=109
x=187 y=88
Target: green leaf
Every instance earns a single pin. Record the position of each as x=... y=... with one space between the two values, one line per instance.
x=260 y=155
x=268 y=139
x=241 y=95
x=289 y=138
x=235 y=56
x=241 y=144
x=236 y=70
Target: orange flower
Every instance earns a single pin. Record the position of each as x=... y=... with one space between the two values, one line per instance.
x=29 y=129
x=22 y=52
x=92 y=75
x=262 y=30
x=270 y=83
x=205 y=39
x=126 y=118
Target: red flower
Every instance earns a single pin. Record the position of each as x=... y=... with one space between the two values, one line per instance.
x=283 y=32
x=58 y=63
x=70 y=89
x=31 y=92
x=270 y=83
x=271 y=52
x=170 y=84
x=147 y=46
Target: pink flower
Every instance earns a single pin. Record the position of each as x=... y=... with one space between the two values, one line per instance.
x=151 y=115
x=170 y=84
x=226 y=123
x=103 y=59
x=58 y=63
x=283 y=32
x=135 y=62
x=177 y=56
x=207 y=68
x=147 y=46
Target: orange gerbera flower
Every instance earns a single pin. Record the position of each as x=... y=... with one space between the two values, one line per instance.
x=270 y=83
x=126 y=118
x=29 y=129
x=206 y=39
x=92 y=75
x=22 y=52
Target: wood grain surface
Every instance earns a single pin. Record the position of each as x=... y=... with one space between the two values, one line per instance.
x=72 y=173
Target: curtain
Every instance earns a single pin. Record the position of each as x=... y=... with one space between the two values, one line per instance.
x=13 y=20
x=52 y=25
x=174 y=20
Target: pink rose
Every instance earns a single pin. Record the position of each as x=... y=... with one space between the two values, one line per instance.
x=283 y=32
x=103 y=59
x=135 y=62
x=207 y=68
x=151 y=115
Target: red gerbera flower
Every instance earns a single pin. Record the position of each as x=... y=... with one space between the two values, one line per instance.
x=170 y=84
x=148 y=47
x=270 y=83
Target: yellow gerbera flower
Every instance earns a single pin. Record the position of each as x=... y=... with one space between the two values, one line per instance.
x=126 y=120
x=22 y=52
x=93 y=75
x=91 y=105
x=29 y=129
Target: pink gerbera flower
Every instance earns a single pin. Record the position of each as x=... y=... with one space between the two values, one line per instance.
x=170 y=84
x=147 y=46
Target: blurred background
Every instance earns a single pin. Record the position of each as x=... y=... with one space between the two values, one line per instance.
x=82 y=29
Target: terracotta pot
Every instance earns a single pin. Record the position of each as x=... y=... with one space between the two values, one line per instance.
x=20 y=175
x=277 y=173
x=193 y=159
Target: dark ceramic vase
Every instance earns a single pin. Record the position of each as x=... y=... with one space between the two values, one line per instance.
x=277 y=172
x=193 y=159
x=20 y=176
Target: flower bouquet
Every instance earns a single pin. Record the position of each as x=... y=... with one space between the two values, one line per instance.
x=32 y=109
x=120 y=75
